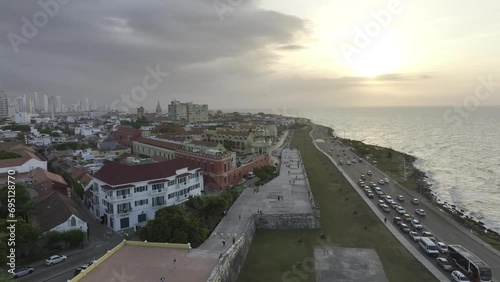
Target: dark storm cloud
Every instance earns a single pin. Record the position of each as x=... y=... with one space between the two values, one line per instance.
x=101 y=48
x=291 y=47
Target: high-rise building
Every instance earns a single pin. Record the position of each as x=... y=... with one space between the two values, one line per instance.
x=140 y=112
x=63 y=108
x=36 y=102
x=20 y=104
x=187 y=112
x=58 y=105
x=93 y=107
x=4 y=104
x=85 y=105
x=45 y=104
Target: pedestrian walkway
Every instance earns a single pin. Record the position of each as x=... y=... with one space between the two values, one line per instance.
x=288 y=193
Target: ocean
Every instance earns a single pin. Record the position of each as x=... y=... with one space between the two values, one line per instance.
x=457 y=148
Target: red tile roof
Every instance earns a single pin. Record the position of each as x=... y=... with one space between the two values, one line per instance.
x=159 y=143
x=114 y=173
x=233 y=133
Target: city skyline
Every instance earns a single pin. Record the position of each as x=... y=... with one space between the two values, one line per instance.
x=256 y=55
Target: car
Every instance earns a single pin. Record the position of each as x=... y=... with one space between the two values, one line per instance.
x=416 y=224
x=385 y=208
x=250 y=175
x=400 y=210
x=444 y=264
x=442 y=247
x=401 y=198
x=407 y=217
x=393 y=204
x=381 y=182
x=388 y=198
x=372 y=184
x=376 y=188
x=360 y=160
x=22 y=271
x=363 y=177
x=348 y=163
x=370 y=195
x=332 y=149
x=369 y=172
x=367 y=190
x=381 y=202
x=404 y=228
x=55 y=260
x=353 y=161
x=381 y=194
x=361 y=184
x=83 y=267
x=397 y=220
x=427 y=234
x=415 y=201
x=386 y=180
x=420 y=212
x=458 y=276
x=414 y=236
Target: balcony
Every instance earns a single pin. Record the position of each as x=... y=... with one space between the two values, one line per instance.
x=158 y=191
x=110 y=212
x=118 y=198
x=159 y=204
x=124 y=211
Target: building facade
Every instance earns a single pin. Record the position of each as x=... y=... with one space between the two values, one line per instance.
x=187 y=112
x=126 y=196
x=4 y=105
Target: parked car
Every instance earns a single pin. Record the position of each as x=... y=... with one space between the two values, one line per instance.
x=55 y=260
x=404 y=228
x=22 y=271
x=416 y=224
x=397 y=220
x=415 y=201
x=444 y=264
x=414 y=236
x=458 y=276
x=442 y=247
x=250 y=175
x=401 y=198
x=420 y=212
x=83 y=267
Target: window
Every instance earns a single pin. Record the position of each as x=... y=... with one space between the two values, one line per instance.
x=158 y=186
x=73 y=221
x=140 y=189
x=122 y=192
x=171 y=183
x=141 y=202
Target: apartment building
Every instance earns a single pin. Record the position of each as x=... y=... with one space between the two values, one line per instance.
x=187 y=112
x=127 y=195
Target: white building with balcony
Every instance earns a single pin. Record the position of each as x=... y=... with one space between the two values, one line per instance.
x=128 y=195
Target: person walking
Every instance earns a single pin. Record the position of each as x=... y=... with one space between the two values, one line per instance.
x=223 y=243
x=234 y=240
x=240 y=217
x=385 y=220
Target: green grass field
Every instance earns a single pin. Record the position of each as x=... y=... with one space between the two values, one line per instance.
x=273 y=253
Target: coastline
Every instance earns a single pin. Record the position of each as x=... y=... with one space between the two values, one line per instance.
x=421 y=184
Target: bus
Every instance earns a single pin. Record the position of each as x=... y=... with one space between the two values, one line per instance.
x=469 y=263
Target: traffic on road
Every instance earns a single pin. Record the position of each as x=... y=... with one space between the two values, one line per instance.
x=422 y=224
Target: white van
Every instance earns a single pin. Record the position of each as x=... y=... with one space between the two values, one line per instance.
x=428 y=246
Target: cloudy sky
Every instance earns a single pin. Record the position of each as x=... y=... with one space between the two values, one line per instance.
x=257 y=55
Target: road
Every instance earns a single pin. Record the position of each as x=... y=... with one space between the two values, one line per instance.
x=62 y=272
x=436 y=220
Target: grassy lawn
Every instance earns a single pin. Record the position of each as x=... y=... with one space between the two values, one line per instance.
x=274 y=252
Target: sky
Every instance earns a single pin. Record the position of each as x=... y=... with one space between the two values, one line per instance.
x=237 y=54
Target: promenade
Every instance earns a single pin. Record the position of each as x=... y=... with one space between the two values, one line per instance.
x=288 y=193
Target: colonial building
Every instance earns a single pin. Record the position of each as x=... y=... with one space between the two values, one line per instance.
x=127 y=195
x=125 y=135
x=27 y=159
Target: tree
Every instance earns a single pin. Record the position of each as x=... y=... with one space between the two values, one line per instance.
x=55 y=134
x=4 y=155
x=23 y=202
x=389 y=154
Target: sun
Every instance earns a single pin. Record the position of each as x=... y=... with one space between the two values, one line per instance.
x=380 y=57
